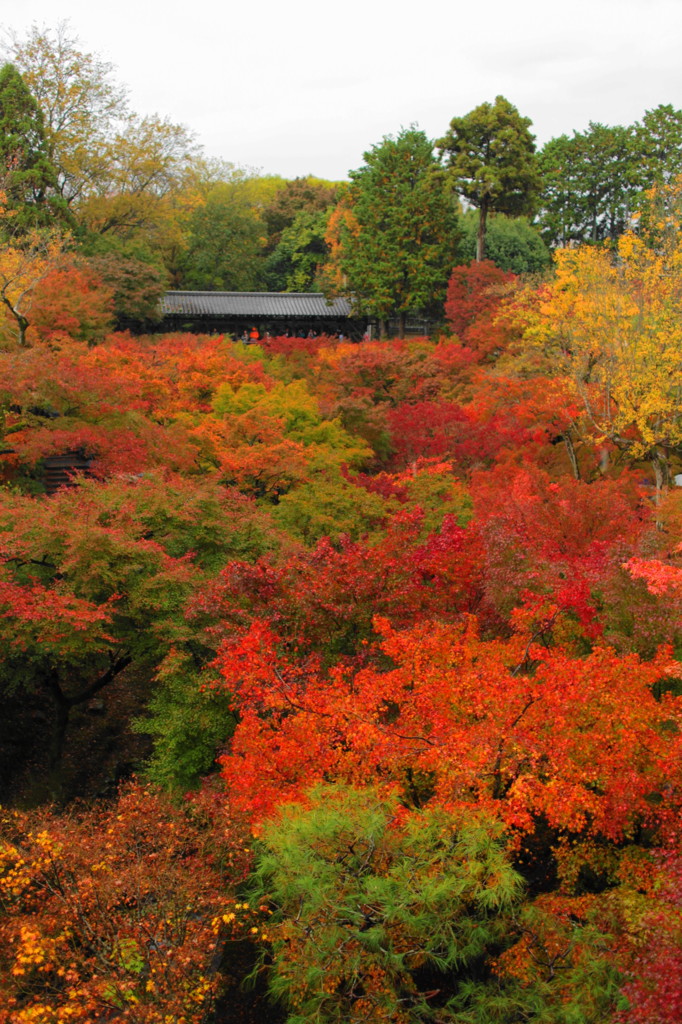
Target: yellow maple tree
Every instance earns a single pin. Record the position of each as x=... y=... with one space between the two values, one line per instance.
x=25 y=260
x=612 y=321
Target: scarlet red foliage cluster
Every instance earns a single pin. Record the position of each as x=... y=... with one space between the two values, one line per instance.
x=474 y=300
x=410 y=565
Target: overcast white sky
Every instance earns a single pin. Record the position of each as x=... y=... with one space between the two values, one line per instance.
x=297 y=87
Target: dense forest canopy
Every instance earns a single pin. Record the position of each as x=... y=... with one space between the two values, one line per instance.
x=352 y=669
x=132 y=194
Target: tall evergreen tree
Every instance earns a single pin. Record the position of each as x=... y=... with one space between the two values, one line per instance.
x=658 y=146
x=594 y=181
x=28 y=177
x=396 y=241
x=590 y=184
x=490 y=153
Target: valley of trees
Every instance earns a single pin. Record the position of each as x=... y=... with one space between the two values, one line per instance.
x=340 y=682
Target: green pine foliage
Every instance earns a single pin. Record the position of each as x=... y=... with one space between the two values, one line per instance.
x=372 y=913
x=596 y=181
x=377 y=914
x=490 y=154
x=589 y=184
x=27 y=176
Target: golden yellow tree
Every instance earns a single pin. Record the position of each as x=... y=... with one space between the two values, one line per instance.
x=26 y=257
x=613 y=322
x=21 y=269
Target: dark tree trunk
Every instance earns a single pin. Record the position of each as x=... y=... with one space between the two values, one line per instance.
x=63 y=704
x=62 y=710
x=482 y=223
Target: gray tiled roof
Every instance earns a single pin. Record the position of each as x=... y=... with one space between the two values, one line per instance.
x=255 y=304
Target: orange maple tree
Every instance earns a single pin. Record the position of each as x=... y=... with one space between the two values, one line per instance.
x=513 y=726
x=116 y=911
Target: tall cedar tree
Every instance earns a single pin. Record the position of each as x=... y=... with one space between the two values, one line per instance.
x=491 y=156
x=590 y=184
x=398 y=249
x=30 y=180
x=658 y=146
x=594 y=181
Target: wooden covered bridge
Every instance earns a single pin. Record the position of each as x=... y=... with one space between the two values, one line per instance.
x=294 y=313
